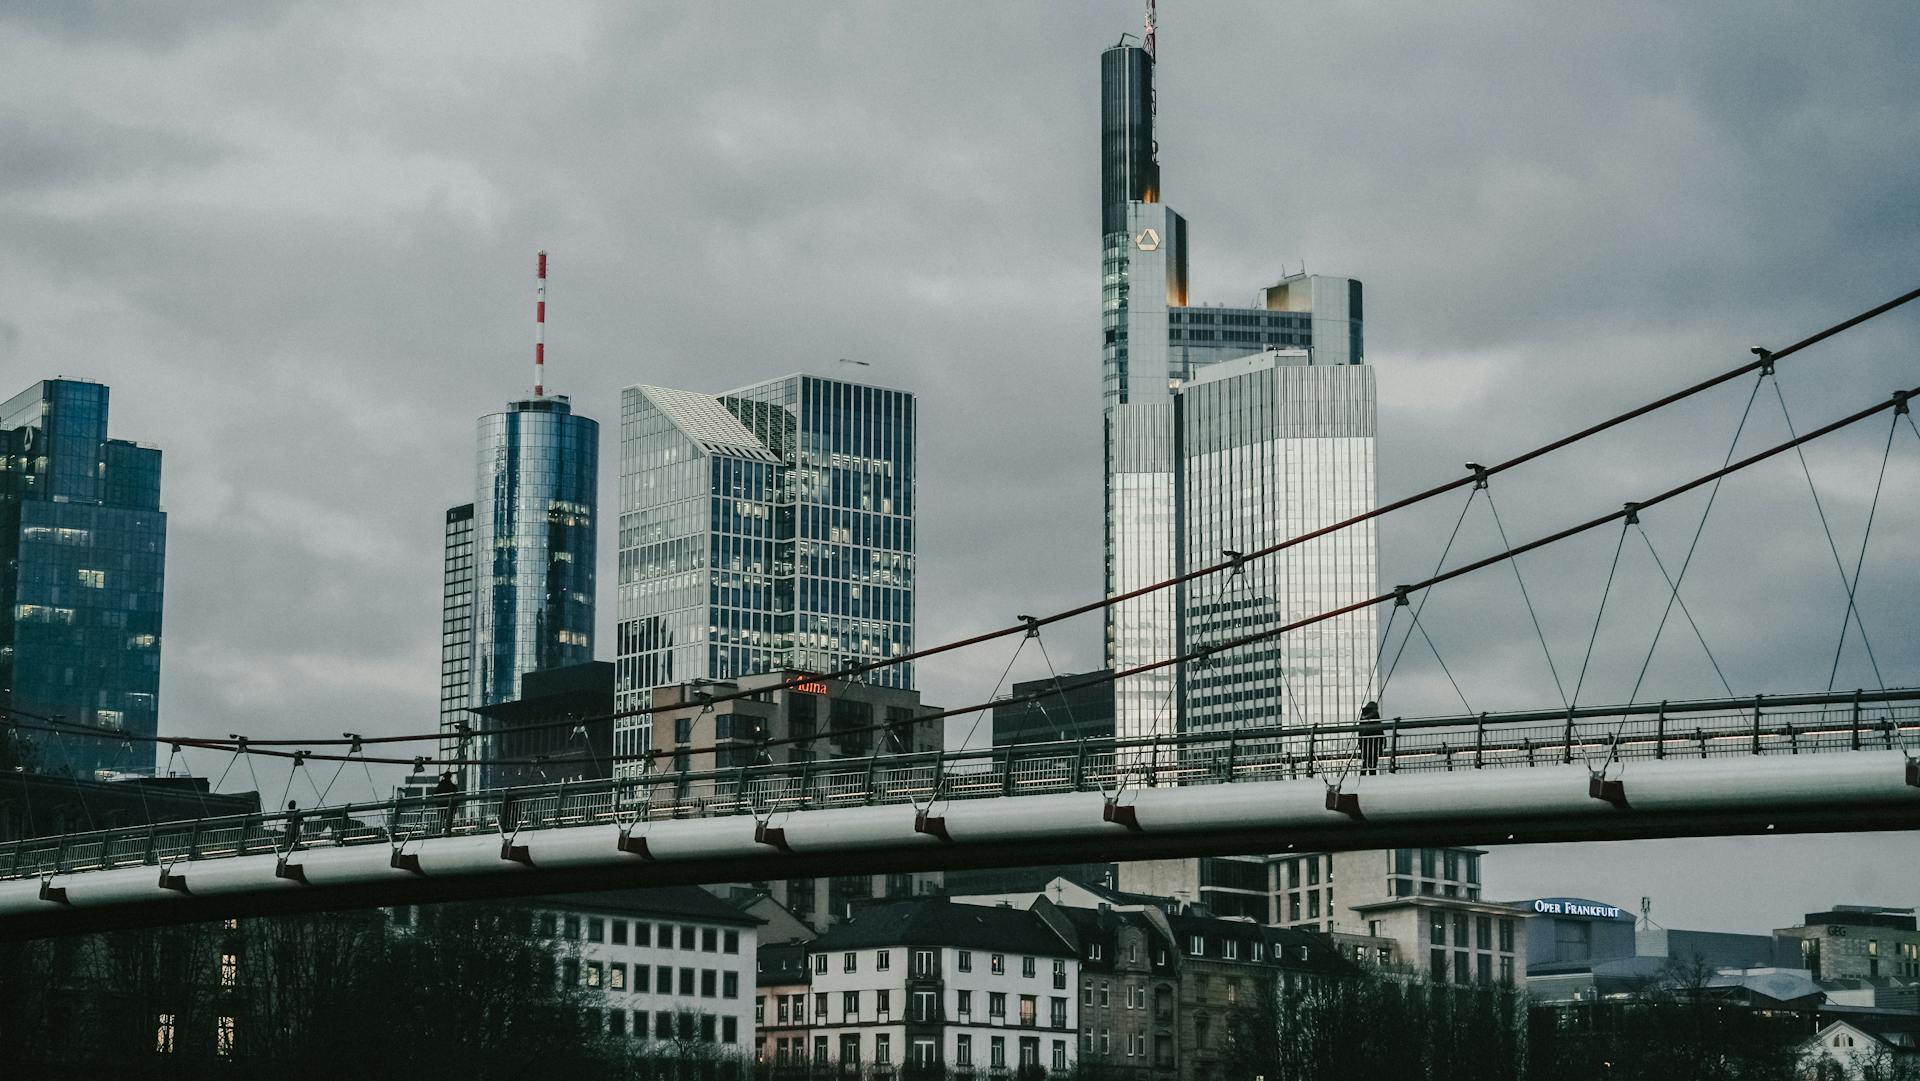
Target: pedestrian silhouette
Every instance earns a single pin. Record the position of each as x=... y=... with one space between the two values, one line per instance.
x=1373 y=738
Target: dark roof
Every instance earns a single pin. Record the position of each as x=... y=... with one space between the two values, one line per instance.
x=781 y=964
x=936 y=921
x=1284 y=943
x=1121 y=897
x=683 y=902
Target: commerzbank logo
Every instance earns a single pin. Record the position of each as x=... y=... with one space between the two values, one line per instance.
x=1148 y=240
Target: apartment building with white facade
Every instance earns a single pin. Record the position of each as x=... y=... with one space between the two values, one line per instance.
x=981 y=991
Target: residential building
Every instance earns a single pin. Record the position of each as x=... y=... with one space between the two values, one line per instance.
x=518 y=573
x=766 y=529
x=672 y=965
x=1857 y=941
x=1859 y=1048
x=83 y=546
x=780 y=1010
x=981 y=990
x=827 y=720
x=534 y=732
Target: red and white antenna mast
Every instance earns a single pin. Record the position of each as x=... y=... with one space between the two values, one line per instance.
x=1146 y=42
x=540 y=329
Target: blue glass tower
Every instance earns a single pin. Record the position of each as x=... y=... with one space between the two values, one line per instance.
x=763 y=529
x=518 y=584
x=82 y=564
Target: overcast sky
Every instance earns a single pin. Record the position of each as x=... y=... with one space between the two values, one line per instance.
x=297 y=241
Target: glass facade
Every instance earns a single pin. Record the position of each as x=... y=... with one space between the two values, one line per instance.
x=456 y=628
x=82 y=565
x=1224 y=428
x=518 y=581
x=767 y=528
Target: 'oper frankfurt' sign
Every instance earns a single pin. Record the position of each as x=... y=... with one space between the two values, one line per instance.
x=1567 y=906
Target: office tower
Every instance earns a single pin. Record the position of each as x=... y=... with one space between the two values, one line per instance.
x=767 y=528
x=1225 y=429
x=82 y=563
x=517 y=582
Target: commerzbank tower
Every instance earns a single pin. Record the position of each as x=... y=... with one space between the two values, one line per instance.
x=1227 y=429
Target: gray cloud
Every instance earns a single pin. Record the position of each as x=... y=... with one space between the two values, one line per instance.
x=297 y=242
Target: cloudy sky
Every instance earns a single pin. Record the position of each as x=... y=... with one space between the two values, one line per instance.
x=297 y=240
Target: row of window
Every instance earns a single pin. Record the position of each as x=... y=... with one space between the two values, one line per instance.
x=927 y=963
x=922 y=1052
x=1469 y=968
x=1482 y=927
x=620 y=932
x=677 y=1025
x=922 y=1006
x=706 y=982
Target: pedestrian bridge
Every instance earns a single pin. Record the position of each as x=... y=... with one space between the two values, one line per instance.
x=1785 y=763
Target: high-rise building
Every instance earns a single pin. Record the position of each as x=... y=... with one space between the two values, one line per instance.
x=517 y=590
x=762 y=529
x=1227 y=429
x=82 y=563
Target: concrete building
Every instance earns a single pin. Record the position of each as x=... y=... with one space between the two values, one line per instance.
x=983 y=991
x=534 y=732
x=671 y=965
x=1857 y=941
x=83 y=547
x=828 y=720
x=765 y=529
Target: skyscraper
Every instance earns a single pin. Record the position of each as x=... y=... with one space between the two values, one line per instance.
x=1226 y=430
x=762 y=529
x=518 y=573
x=82 y=563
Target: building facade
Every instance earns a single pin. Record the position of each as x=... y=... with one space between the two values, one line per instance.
x=518 y=579
x=1857 y=942
x=82 y=572
x=1226 y=429
x=559 y=729
x=767 y=528
x=981 y=991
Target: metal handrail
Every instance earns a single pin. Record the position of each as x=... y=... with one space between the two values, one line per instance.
x=1783 y=724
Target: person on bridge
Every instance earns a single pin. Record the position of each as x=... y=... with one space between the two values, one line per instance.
x=1373 y=739
x=445 y=788
x=293 y=824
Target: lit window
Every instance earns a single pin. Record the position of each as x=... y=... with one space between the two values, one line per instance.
x=163 y=1034
x=229 y=969
x=223 y=1037
x=93 y=579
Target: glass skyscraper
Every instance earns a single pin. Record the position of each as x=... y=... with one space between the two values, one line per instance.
x=767 y=528
x=1225 y=428
x=518 y=578
x=82 y=564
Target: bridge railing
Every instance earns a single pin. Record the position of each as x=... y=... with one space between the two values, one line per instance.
x=1598 y=737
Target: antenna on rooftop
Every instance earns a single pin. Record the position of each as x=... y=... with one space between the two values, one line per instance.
x=540 y=328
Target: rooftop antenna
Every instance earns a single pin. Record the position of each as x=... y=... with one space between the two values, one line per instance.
x=540 y=328
x=1147 y=41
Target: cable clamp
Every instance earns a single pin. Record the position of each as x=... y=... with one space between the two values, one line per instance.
x=1346 y=803
x=1033 y=625
x=51 y=892
x=356 y=748
x=1766 y=360
x=1400 y=596
x=239 y=742
x=1479 y=475
x=1237 y=559
x=1633 y=513
x=1612 y=791
x=1900 y=402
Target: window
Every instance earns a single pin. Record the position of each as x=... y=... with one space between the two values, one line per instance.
x=924 y=963
x=729 y=1030
x=1506 y=935
x=1483 y=964
x=686 y=983
x=709 y=940
x=847 y=963
x=1059 y=975
x=1028 y=1011
x=1460 y=929
x=883 y=960
x=1197 y=946
x=663 y=1026
x=616 y=1022
x=819 y=1050
x=1086 y=992
x=708 y=979
x=595 y=971
x=1313 y=905
x=1483 y=932
x=849 y=1005
x=1259 y=951
x=548 y=924
x=617 y=977
x=223 y=1036
x=883 y=1003
x=997 y=964
x=997 y=1053
x=921 y=1008
x=964 y=960
x=924 y=1053
x=964 y=1004
x=1437 y=932
x=640 y=1023
x=642 y=933
x=664 y=936
x=1059 y=1054
x=1106 y=1041
x=163 y=1034
x=730 y=985
x=882 y=1047
x=706 y=1028
x=619 y=930
x=1093 y=951
x=1136 y=997
x=571 y=927
x=849 y=1049
x=963 y=1050
x=820 y=963
x=730 y=942
x=1293 y=907
x=820 y=1006
x=1026 y=967
x=229 y=969
x=687 y=935
x=996 y=1004
x=1460 y=968
x=1437 y=965
x=1230 y=949
x=1058 y=1017
x=663 y=980
x=596 y=929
